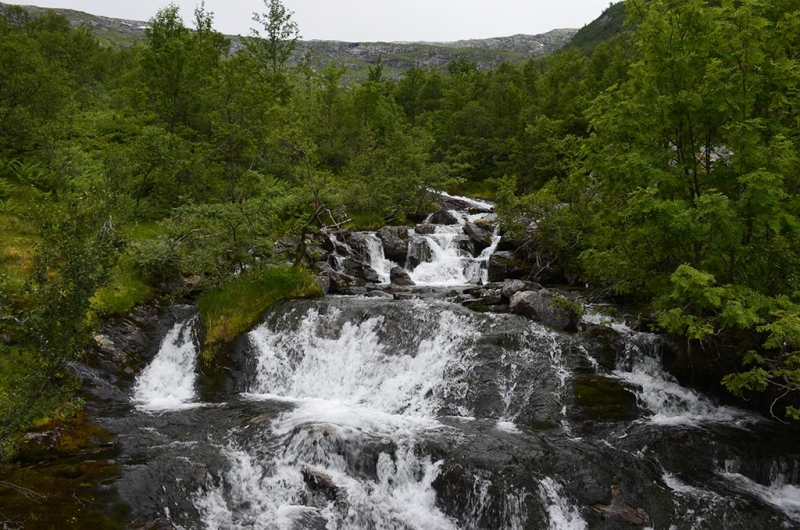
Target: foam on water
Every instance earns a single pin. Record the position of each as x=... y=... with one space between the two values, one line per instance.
x=353 y=395
x=167 y=383
x=562 y=514
x=784 y=497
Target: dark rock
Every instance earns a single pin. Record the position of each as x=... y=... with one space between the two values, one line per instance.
x=465 y=245
x=507 y=265
x=339 y=283
x=443 y=217
x=357 y=269
x=404 y=296
x=544 y=307
x=419 y=251
x=395 y=242
x=485 y=223
x=287 y=245
x=358 y=242
x=480 y=237
x=320 y=482
x=425 y=229
x=399 y=276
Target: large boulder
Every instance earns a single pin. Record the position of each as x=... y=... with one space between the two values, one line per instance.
x=551 y=310
x=359 y=244
x=419 y=251
x=425 y=229
x=480 y=237
x=443 y=217
x=395 y=242
x=399 y=276
x=512 y=287
x=507 y=265
x=465 y=245
x=360 y=270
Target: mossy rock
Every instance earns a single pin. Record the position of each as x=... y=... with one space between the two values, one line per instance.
x=600 y=398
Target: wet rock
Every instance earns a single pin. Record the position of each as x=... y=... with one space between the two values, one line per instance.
x=320 y=482
x=507 y=265
x=395 y=242
x=601 y=398
x=425 y=229
x=339 y=283
x=399 y=276
x=485 y=223
x=359 y=244
x=544 y=307
x=480 y=237
x=443 y=217
x=404 y=296
x=357 y=269
x=324 y=283
x=619 y=509
x=419 y=251
x=465 y=245
x=512 y=287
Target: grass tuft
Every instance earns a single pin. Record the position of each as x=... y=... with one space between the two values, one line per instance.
x=236 y=307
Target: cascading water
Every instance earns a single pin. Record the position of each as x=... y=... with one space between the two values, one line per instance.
x=168 y=382
x=372 y=413
x=451 y=264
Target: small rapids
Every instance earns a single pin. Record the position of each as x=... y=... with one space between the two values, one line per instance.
x=168 y=382
x=358 y=412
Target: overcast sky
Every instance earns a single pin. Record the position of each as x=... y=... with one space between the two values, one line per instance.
x=373 y=20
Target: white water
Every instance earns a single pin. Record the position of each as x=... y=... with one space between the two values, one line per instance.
x=563 y=515
x=450 y=265
x=352 y=395
x=657 y=390
x=168 y=381
x=377 y=259
x=784 y=497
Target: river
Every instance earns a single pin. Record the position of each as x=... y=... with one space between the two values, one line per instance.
x=414 y=412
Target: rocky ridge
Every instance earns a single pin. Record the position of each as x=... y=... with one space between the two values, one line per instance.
x=396 y=57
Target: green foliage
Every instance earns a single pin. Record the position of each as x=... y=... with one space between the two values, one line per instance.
x=236 y=307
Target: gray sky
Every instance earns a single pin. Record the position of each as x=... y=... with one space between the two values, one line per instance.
x=372 y=20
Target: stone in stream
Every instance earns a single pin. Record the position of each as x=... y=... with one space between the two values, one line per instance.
x=395 y=242
x=339 y=283
x=465 y=245
x=320 y=482
x=425 y=229
x=546 y=308
x=620 y=509
x=512 y=287
x=479 y=236
x=399 y=276
x=419 y=251
x=443 y=217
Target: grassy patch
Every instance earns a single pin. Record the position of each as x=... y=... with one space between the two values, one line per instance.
x=17 y=242
x=366 y=221
x=124 y=292
x=236 y=307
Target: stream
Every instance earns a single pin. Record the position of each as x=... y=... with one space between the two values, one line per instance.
x=414 y=412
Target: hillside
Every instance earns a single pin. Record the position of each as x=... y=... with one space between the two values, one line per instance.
x=609 y=23
x=356 y=56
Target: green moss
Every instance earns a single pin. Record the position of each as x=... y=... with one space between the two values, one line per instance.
x=604 y=399
x=236 y=307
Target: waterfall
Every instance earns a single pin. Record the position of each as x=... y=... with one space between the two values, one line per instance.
x=168 y=382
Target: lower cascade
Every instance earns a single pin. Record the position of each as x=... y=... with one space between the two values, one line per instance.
x=416 y=413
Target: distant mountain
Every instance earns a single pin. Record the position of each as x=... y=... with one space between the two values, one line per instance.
x=357 y=56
